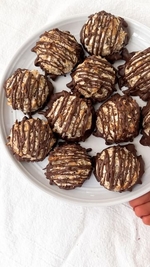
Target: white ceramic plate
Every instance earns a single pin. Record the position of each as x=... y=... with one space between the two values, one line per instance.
x=91 y=193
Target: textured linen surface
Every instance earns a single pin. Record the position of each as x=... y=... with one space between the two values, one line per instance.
x=36 y=229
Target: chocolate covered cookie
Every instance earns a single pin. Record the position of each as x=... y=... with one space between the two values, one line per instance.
x=70 y=117
x=136 y=76
x=95 y=79
x=118 y=168
x=104 y=35
x=31 y=139
x=145 y=140
x=58 y=52
x=69 y=166
x=118 y=119
x=27 y=90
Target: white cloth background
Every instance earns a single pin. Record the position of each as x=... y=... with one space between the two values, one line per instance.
x=37 y=230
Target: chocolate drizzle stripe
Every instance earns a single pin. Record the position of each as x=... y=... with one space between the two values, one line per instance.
x=69 y=115
x=117 y=35
x=31 y=139
x=108 y=21
x=136 y=75
x=57 y=52
x=104 y=34
x=120 y=175
x=56 y=57
x=72 y=110
x=69 y=166
x=114 y=123
x=138 y=69
x=26 y=91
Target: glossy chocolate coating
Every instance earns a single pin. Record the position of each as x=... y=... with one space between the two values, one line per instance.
x=69 y=166
x=145 y=140
x=136 y=76
x=105 y=35
x=27 y=90
x=95 y=79
x=58 y=52
x=70 y=117
x=118 y=119
x=117 y=168
x=31 y=139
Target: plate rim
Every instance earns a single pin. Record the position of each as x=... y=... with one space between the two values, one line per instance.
x=3 y=135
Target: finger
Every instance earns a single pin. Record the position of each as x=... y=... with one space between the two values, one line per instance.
x=146 y=220
x=140 y=200
x=142 y=210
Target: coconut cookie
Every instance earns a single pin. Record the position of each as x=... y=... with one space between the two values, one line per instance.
x=136 y=76
x=118 y=119
x=70 y=116
x=69 y=166
x=31 y=139
x=117 y=168
x=145 y=140
x=58 y=52
x=95 y=79
x=104 y=35
x=27 y=90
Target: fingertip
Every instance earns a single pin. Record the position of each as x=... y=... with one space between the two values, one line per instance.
x=146 y=220
x=131 y=203
x=140 y=200
x=138 y=211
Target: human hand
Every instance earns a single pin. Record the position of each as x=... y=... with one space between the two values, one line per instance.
x=141 y=207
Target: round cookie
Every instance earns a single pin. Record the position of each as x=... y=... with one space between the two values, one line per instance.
x=136 y=76
x=117 y=168
x=69 y=166
x=27 y=90
x=70 y=117
x=94 y=78
x=58 y=52
x=31 y=139
x=104 y=35
x=145 y=139
x=118 y=119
